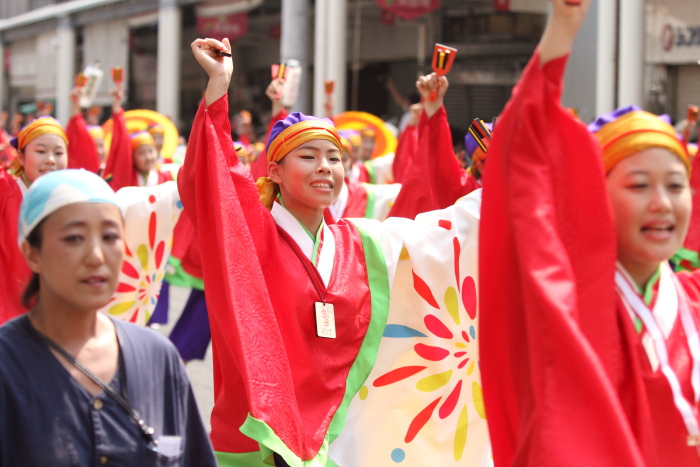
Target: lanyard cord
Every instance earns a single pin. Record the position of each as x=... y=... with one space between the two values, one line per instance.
x=321 y=297
x=146 y=430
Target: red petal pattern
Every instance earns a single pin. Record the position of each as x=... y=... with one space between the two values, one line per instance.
x=437 y=327
x=424 y=291
x=451 y=402
x=420 y=420
x=431 y=353
x=397 y=375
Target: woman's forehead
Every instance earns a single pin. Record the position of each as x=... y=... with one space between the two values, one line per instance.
x=651 y=161
x=47 y=140
x=86 y=213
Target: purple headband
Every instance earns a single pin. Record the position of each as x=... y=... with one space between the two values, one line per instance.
x=347 y=134
x=610 y=117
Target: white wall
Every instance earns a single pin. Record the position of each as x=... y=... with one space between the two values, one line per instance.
x=107 y=43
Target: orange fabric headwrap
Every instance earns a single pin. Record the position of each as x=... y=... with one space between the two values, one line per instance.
x=96 y=132
x=39 y=127
x=635 y=132
x=141 y=138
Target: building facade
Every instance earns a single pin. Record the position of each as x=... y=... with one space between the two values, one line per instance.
x=44 y=44
x=629 y=51
x=673 y=56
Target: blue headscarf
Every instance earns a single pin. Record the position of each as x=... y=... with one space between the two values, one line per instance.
x=57 y=189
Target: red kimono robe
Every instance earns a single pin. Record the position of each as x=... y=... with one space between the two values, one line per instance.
x=266 y=285
x=15 y=272
x=82 y=153
x=566 y=377
x=405 y=151
x=434 y=179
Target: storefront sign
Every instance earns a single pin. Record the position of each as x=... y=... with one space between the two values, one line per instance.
x=679 y=37
x=409 y=9
x=521 y=6
x=501 y=5
x=218 y=27
x=673 y=32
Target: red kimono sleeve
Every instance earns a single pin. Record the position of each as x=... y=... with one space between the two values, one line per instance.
x=692 y=239
x=405 y=150
x=14 y=272
x=82 y=153
x=119 y=171
x=233 y=227
x=434 y=180
x=259 y=167
x=547 y=251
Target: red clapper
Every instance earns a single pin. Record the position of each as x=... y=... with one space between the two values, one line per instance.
x=80 y=80
x=329 y=86
x=693 y=113
x=443 y=58
x=117 y=75
x=279 y=72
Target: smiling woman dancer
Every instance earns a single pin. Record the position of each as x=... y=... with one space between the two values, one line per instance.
x=590 y=343
x=42 y=147
x=298 y=307
x=78 y=387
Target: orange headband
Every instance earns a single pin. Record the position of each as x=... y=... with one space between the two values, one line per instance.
x=155 y=129
x=345 y=143
x=39 y=127
x=96 y=132
x=141 y=138
x=635 y=132
x=300 y=133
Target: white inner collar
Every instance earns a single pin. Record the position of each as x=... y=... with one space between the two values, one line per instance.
x=291 y=225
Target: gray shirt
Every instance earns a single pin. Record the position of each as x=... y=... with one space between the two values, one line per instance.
x=48 y=418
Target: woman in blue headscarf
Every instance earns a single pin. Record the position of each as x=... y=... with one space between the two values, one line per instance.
x=76 y=386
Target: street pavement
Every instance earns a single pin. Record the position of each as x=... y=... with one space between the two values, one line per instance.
x=200 y=372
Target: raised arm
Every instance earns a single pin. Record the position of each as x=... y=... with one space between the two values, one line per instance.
x=560 y=33
x=119 y=170
x=82 y=153
x=434 y=180
x=547 y=258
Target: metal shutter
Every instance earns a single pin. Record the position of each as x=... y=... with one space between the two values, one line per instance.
x=687 y=90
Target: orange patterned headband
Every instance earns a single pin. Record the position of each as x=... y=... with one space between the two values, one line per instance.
x=637 y=131
x=39 y=127
x=300 y=133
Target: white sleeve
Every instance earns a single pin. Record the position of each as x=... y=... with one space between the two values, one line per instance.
x=423 y=402
x=384 y=168
x=150 y=215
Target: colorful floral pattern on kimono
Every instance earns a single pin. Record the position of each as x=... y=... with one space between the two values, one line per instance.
x=151 y=215
x=427 y=374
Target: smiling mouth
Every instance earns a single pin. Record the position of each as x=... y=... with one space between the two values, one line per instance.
x=328 y=185
x=658 y=229
x=95 y=281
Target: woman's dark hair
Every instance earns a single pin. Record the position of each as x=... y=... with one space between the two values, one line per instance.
x=31 y=292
